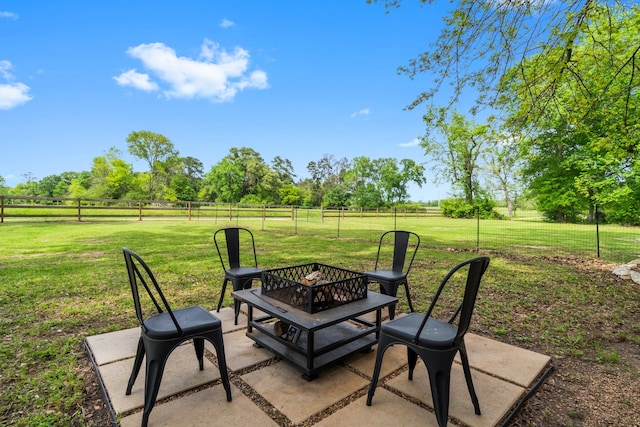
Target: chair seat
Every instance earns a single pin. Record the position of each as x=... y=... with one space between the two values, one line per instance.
x=436 y=334
x=192 y=320
x=241 y=272
x=385 y=275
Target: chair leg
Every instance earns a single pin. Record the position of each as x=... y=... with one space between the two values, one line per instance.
x=236 y=310
x=439 y=369
x=406 y=291
x=412 y=357
x=383 y=343
x=198 y=344
x=155 y=369
x=384 y=289
x=136 y=366
x=224 y=288
x=218 y=343
x=246 y=284
x=467 y=376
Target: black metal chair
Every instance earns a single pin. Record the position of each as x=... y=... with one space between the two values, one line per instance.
x=435 y=341
x=392 y=273
x=162 y=332
x=240 y=266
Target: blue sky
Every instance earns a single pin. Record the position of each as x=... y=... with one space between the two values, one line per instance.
x=295 y=79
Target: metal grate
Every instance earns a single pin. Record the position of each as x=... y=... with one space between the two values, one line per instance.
x=337 y=286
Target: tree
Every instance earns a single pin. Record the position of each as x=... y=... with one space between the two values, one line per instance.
x=482 y=41
x=180 y=188
x=223 y=183
x=185 y=179
x=251 y=166
x=27 y=188
x=79 y=186
x=588 y=127
x=381 y=182
x=284 y=169
x=394 y=180
x=155 y=149
x=504 y=167
x=336 y=195
x=290 y=195
x=193 y=170
x=325 y=173
x=111 y=177
x=47 y=185
x=456 y=152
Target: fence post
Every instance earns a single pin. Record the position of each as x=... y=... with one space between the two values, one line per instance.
x=597 y=231
x=189 y=208
x=230 y=211
x=1 y=209
x=79 y=211
x=322 y=213
x=139 y=210
x=395 y=218
x=478 y=230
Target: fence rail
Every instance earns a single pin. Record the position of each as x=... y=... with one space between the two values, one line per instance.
x=527 y=234
x=53 y=207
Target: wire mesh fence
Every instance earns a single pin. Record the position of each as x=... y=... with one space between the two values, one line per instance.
x=524 y=235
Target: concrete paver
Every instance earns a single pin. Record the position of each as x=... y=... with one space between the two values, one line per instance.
x=496 y=397
x=181 y=373
x=114 y=346
x=503 y=360
x=283 y=386
x=205 y=408
x=388 y=410
x=502 y=375
x=240 y=352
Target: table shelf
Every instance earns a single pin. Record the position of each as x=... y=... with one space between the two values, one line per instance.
x=349 y=339
x=325 y=337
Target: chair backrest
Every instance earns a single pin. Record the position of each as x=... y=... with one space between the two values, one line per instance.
x=140 y=274
x=404 y=243
x=236 y=247
x=476 y=268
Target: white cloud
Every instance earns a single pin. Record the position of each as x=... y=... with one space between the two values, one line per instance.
x=216 y=75
x=227 y=23
x=137 y=80
x=413 y=143
x=5 y=66
x=9 y=15
x=12 y=94
x=363 y=112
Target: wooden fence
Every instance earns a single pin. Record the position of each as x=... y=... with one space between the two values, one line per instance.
x=28 y=207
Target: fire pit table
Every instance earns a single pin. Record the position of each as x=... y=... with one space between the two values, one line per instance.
x=313 y=314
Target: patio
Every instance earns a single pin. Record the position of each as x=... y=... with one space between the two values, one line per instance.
x=504 y=376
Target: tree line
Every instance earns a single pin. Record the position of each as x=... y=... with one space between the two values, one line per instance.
x=242 y=176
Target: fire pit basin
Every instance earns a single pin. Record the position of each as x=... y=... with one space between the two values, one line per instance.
x=314 y=287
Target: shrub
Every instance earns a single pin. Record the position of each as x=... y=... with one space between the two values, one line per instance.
x=458 y=208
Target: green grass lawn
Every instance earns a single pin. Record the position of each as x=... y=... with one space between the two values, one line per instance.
x=63 y=281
